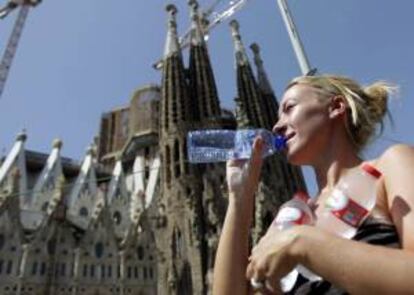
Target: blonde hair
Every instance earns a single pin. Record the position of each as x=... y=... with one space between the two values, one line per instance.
x=367 y=106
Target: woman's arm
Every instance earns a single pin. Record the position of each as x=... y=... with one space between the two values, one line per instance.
x=233 y=249
x=357 y=267
x=397 y=164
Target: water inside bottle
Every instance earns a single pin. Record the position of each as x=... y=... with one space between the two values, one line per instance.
x=206 y=146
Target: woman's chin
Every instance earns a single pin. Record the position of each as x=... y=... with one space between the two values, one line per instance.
x=295 y=157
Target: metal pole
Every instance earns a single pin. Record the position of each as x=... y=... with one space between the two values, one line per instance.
x=295 y=39
x=11 y=48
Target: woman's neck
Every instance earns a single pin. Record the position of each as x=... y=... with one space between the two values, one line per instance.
x=338 y=159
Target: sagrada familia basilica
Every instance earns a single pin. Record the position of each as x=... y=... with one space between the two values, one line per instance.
x=134 y=216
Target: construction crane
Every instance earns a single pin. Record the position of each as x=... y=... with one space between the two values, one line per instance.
x=211 y=19
x=295 y=40
x=13 y=42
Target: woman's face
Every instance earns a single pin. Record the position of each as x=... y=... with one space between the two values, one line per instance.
x=304 y=121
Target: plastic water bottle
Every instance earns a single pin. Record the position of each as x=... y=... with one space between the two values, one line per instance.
x=207 y=146
x=294 y=212
x=351 y=202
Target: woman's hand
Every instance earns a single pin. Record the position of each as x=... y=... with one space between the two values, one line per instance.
x=243 y=175
x=276 y=254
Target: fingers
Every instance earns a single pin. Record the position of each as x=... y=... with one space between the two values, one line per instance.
x=262 y=282
x=255 y=166
x=243 y=175
x=257 y=271
x=256 y=159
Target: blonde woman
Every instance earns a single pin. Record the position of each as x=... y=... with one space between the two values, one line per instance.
x=328 y=120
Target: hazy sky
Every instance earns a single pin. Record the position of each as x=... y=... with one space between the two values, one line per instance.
x=80 y=58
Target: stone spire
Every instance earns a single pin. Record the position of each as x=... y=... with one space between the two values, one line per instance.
x=203 y=88
x=197 y=35
x=180 y=181
x=269 y=97
x=240 y=51
x=248 y=91
x=175 y=104
x=255 y=109
x=16 y=159
x=171 y=45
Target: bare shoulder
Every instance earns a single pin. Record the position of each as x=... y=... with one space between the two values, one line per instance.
x=401 y=155
x=397 y=167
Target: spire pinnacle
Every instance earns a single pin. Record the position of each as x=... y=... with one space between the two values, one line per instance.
x=57 y=143
x=197 y=37
x=21 y=136
x=90 y=150
x=256 y=51
x=171 y=46
x=241 y=56
x=262 y=78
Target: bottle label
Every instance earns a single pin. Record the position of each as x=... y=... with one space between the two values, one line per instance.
x=346 y=209
x=289 y=216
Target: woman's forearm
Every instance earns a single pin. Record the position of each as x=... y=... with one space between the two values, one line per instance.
x=355 y=266
x=232 y=253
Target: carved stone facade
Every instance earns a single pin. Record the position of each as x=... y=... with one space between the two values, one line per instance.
x=135 y=217
x=67 y=228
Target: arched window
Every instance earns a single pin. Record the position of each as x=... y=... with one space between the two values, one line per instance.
x=63 y=269
x=99 y=249
x=2 y=241
x=168 y=165
x=177 y=243
x=109 y=271
x=43 y=269
x=102 y=271
x=140 y=252
x=83 y=212
x=177 y=169
x=51 y=246
x=85 y=270
x=92 y=270
x=34 y=268
x=184 y=152
x=9 y=267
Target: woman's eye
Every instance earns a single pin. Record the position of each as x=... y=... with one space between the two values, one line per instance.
x=289 y=107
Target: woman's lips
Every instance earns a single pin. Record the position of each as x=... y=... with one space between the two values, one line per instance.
x=289 y=137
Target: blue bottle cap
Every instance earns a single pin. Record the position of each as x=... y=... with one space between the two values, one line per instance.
x=279 y=142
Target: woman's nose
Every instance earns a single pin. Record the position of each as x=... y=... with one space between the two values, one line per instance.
x=279 y=127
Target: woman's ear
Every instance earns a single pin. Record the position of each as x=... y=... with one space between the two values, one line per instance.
x=337 y=107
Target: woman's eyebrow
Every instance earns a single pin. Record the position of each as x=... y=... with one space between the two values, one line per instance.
x=286 y=101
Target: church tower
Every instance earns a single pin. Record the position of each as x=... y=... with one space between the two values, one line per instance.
x=293 y=174
x=249 y=101
x=257 y=108
x=203 y=88
x=269 y=98
x=180 y=241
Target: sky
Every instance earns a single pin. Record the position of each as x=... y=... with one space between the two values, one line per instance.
x=79 y=58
